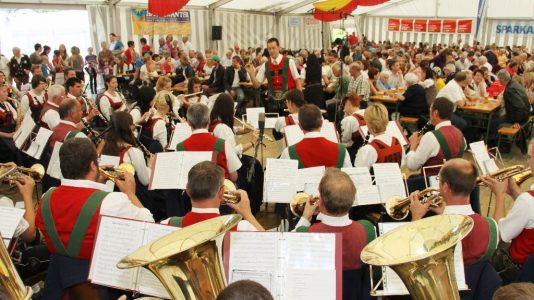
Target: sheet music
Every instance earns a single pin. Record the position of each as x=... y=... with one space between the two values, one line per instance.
x=10 y=218
x=24 y=131
x=190 y=159
x=389 y=180
x=38 y=144
x=367 y=195
x=392 y=129
x=361 y=176
x=166 y=170
x=328 y=130
x=309 y=176
x=54 y=168
x=280 y=180
x=310 y=251
x=298 y=285
x=270 y=120
x=182 y=131
x=264 y=278
x=485 y=163
x=294 y=134
x=116 y=238
x=253 y=114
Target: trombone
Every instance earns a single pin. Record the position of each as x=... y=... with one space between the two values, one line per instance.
x=518 y=172
x=398 y=208
x=11 y=173
x=117 y=173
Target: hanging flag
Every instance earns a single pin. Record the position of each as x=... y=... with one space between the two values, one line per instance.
x=332 y=10
x=481 y=16
x=165 y=7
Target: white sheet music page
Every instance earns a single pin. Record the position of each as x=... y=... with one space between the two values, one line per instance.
x=280 y=180
x=38 y=144
x=270 y=120
x=24 y=131
x=293 y=134
x=182 y=131
x=116 y=238
x=388 y=178
x=190 y=159
x=392 y=129
x=329 y=131
x=482 y=157
x=54 y=168
x=10 y=218
x=166 y=170
x=253 y=114
x=309 y=176
x=366 y=192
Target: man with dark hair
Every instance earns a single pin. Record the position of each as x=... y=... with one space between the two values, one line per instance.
x=215 y=83
x=294 y=101
x=315 y=150
x=201 y=140
x=145 y=47
x=281 y=72
x=456 y=181
x=443 y=143
x=233 y=76
x=206 y=188
x=35 y=98
x=130 y=53
x=35 y=57
x=74 y=88
x=69 y=73
x=245 y=290
x=68 y=216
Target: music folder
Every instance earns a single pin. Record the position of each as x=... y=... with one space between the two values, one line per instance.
x=170 y=169
x=10 y=218
x=290 y=265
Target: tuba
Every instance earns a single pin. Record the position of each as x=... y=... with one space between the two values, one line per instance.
x=518 y=172
x=187 y=262
x=10 y=282
x=298 y=203
x=398 y=208
x=422 y=254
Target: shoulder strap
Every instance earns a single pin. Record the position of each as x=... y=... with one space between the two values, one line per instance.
x=302 y=229
x=462 y=147
x=370 y=230
x=49 y=224
x=180 y=147
x=443 y=144
x=176 y=221
x=493 y=239
x=285 y=73
x=218 y=147
x=340 y=156
x=71 y=134
x=292 y=150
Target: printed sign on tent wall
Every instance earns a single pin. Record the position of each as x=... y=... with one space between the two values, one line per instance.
x=419 y=25
x=449 y=26
x=434 y=25
x=407 y=25
x=293 y=21
x=465 y=26
x=393 y=24
x=311 y=22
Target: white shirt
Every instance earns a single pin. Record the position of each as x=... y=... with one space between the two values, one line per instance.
x=395 y=80
x=187 y=46
x=367 y=155
x=341 y=221
x=136 y=114
x=462 y=66
x=25 y=100
x=349 y=125
x=280 y=124
x=464 y=210
x=226 y=62
x=137 y=159
x=314 y=134
x=260 y=75
x=4 y=65
x=211 y=101
x=159 y=132
x=207 y=70
x=428 y=148
x=115 y=204
x=235 y=84
x=243 y=225
x=520 y=217
x=105 y=106
x=452 y=91
x=232 y=161
x=51 y=116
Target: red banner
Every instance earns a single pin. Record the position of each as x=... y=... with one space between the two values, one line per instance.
x=419 y=25
x=407 y=25
x=434 y=25
x=393 y=24
x=449 y=26
x=464 y=26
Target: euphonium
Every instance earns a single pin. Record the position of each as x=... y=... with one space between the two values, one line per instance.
x=117 y=173
x=230 y=196
x=422 y=254
x=518 y=172
x=298 y=203
x=12 y=174
x=398 y=208
x=10 y=282
x=187 y=261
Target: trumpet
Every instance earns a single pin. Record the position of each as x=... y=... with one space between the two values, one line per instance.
x=10 y=174
x=230 y=195
x=518 y=172
x=298 y=203
x=398 y=208
x=117 y=173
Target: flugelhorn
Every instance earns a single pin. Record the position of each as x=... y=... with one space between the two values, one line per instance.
x=422 y=254
x=298 y=203
x=518 y=172
x=10 y=174
x=187 y=262
x=230 y=195
x=117 y=173
x=398 y=208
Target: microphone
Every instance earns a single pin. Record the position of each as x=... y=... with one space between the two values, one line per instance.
x=261 y=123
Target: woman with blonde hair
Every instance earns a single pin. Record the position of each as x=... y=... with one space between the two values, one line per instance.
x=76 y=62
x=164 y=84
x=383 y=147
x=155 y=129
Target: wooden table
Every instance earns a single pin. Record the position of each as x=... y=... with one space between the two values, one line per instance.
x=249 y=84
x=482 y=113
x=388 y=100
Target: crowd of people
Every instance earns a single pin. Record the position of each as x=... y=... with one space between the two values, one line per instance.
x=175 y=82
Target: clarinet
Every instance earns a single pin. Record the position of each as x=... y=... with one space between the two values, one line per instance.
x=425 y=128
x=367 y=138
x=170 y=129
x=143 y=149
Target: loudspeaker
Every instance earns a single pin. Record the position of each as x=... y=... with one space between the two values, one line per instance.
x=216 y=33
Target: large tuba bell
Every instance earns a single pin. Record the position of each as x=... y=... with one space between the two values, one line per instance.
x=187 y=261
x=10 y=282
x=422 y=254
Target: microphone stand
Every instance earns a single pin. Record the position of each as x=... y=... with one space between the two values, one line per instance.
x=259 y=144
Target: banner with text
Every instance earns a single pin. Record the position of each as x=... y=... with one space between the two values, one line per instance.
x=145 y=23
x=393 y=24
x=513 y=28
x=433 y=26
x=419 y=25
x=407 y=25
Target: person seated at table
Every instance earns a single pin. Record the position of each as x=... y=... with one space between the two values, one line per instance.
x=413 y=101
x=294 y=101
x=478 y=86
x=454 y=91
x=384 y=148
x=336 y=198
x=382 y=83
x=350 y=126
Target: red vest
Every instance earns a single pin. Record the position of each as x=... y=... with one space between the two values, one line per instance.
x=7 y=122
x=122 y=152
x=46 y=107
x=213 y=124
x=59 y=133
x=290 y=121
x=361 y=122
x=114 y=105
x=66 y=203
x=385 y=153
x=313 y=152
x=475 y=244
x=277 y=74
x=192 y=218
x=354 y=240
x=206 y=142
x=149 y=127
x=454 y=138
x=523 y=244
x=36 y=107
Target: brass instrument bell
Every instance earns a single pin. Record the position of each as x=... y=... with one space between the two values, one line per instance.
x=230 y=195
x=398 y=207
x=12 y=174
x=298 y=203
x=10 y=282
x=117 y=173
x=518 y=172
